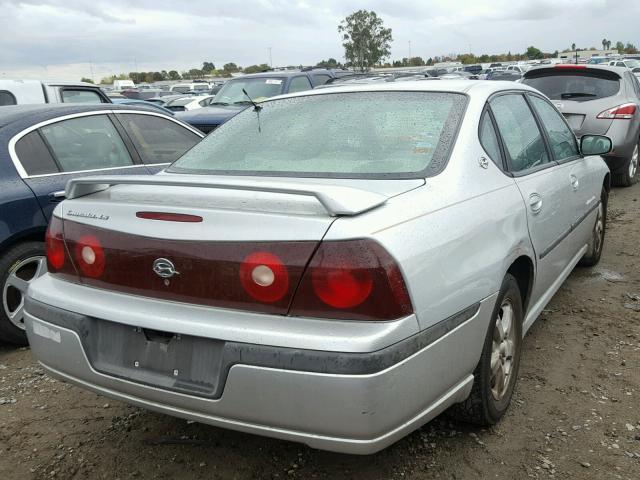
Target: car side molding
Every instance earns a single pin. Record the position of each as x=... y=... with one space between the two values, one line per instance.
x=337 y=200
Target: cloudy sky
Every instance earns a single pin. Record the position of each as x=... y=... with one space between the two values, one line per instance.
x=66 y=39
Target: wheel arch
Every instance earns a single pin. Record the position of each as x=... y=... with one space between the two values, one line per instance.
x=523 y=271
x=35 y=234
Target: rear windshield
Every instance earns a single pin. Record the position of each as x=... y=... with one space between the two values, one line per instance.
x=342 y=135
x=579 y=86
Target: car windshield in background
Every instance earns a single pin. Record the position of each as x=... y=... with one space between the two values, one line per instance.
x=258 y=88
x=341 y=135
x=579 y=86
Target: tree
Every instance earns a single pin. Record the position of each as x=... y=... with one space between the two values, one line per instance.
x=174 y=75
x=608 y=44
x=365 y=40
x=263 y=67
x=430 y=61
x=630 y=48
x=330 y=63
x=86 y=80
x=208 y=66
x=620 y=47
x=230 y=67
x=604 y=43
x=533 y=53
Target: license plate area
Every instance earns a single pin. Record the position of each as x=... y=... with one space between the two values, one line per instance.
x=181 y=363
x=574 y=120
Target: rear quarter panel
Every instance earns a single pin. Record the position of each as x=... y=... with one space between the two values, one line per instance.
x=454 y=240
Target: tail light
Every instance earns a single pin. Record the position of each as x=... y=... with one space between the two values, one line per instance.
x=54 y=245
x=89 y=256
x=351 y=280
x=571 y=66
x=355 y=280
x=623 y=112
x=264 y=277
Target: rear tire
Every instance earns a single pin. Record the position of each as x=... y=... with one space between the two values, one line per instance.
x=627 y=174
x=497 y=371
x=18 y=266
x=596 y=244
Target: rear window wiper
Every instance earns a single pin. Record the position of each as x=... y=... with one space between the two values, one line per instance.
x=218 y=103
x=576 y=94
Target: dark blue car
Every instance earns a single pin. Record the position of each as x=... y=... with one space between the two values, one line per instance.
x=41 y=148
x=231 y=100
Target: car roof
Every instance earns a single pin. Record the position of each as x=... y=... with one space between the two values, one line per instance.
x=582 y=66
x=271 y=73
x=479 y=87
x=22 y=116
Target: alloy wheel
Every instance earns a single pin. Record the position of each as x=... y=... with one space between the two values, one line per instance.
x=598 y=230
x=633 y=164
x=15 y=287
x=503 y=349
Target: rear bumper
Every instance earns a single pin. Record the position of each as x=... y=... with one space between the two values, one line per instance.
x=360 y=403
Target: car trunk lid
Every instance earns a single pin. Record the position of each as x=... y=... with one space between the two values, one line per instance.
x=198 y=239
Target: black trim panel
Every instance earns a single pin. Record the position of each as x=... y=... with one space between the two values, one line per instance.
x=236 y=353
x=575 y=225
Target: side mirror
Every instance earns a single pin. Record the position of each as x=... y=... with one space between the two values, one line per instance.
x=595 y=145
x=636 y=70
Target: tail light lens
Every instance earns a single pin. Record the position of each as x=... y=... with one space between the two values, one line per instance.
x=54 y=245
x=89 y=256
x=623 y=112
x=354 y=280
x=264 y=277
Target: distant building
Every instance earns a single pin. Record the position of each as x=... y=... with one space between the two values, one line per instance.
x=585 y=55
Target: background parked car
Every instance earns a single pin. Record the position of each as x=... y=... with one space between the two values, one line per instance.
x=597 y=99
x=41 y=148
x=631 y=64
x=143 y=103
x=231 y=99
x=504 y=75
x=189 y=103
x=201 y=87
x=19 y=92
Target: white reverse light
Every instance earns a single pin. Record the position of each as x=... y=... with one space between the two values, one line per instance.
x=262 y=275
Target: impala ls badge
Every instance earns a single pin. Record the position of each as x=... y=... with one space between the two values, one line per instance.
x=164 y=268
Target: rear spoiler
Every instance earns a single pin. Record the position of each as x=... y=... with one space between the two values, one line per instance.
x=337 y=200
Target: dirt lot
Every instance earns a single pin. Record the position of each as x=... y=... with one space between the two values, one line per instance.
x=576 y=411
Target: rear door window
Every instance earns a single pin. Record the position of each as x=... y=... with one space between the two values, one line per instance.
x=299 y=84
x=80 y=96
x=321 y=79
x=576 y=85
x=524 y=143
x=86 y=143
x=489 y=139
x=561 y=139
x=34 y=155
x=157 y=139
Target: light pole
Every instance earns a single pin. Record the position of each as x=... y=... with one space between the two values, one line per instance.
x=409 y=51
x=573 y=47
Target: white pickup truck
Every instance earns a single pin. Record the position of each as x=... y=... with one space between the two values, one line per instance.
x=18 y=92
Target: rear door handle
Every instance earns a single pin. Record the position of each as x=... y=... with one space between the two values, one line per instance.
x=575 y=183
x=535 y=203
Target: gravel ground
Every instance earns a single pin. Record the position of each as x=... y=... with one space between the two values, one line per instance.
x=575 y=413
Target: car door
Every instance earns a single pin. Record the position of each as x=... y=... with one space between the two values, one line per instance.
x=543 y=188
x=47 y=157
x=158 y=139
x=583 y=193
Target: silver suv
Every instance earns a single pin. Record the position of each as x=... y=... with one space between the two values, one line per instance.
x=600 y=100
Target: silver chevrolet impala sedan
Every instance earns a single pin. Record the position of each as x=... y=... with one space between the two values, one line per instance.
x=335 y=267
